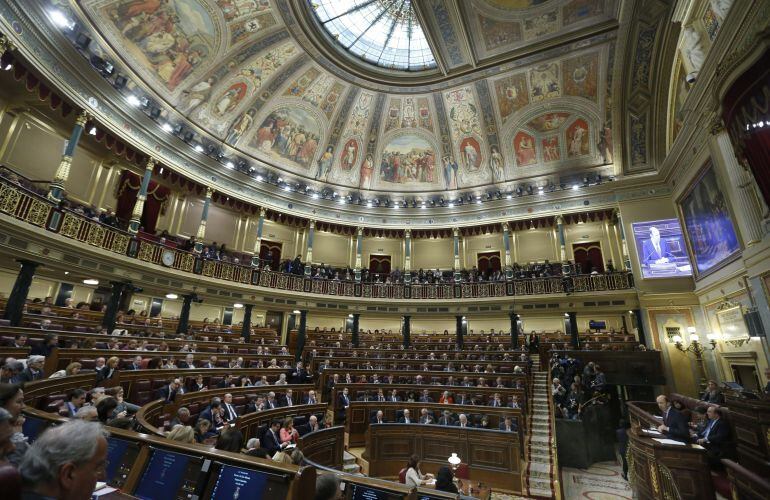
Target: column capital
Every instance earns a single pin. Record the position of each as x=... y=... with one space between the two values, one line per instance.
x=456 y=231
x=506 y=227
x=407 y=233
x=6 y=45
x=360 y=231
x=717 y=126
x=560 y=220
x=262 y=212
x=82 y=118
x=311 y=224
x=209 y=192
x=150 y=163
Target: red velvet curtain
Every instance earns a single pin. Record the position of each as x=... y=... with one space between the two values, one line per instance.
x=488 y=261
x=271 y=251
x=747 y=119
x=379 y=264
x=154 y=206
x=589 y=256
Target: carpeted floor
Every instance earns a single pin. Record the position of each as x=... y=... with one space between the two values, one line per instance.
x=602 y=481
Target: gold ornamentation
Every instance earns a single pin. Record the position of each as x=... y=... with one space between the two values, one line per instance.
x=6 y=45
x=95 y=235
x=70 y=226
x=9 y=199
x=38 y=212
x=82 y=118
x=120 y=243
x=63 y=171
x=653 y=477
x=146 y=252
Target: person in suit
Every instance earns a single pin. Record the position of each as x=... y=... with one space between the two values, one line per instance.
x=715 y=437
x=271 y=441
x=214 y=414
x=168 y=392
x=426 y=417
x=344 y=399
x=462 y=399
x=394 y=397
x=46 y=347
x=713 y=395
x=109 y=369
x=33 y=371
x=446 y=419
x=674 y=424
x=75 y=401
x=378 y=418
x=380 y=396
x=136 y=364
x=508 y=425
x=189 y=362
x=271 y=402
x=654 y=250
x=365 y=397
x=288 y=398
x=299 y=375
x=462 y=421
x=228 y=410
x=211 y=363
x=406 y=419
x=425 y=397
x=311 y=399
x=496 y=401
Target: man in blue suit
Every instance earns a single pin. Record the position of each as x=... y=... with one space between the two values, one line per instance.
x=655 y=250
x=271 y=442
x=674 y=424
x=715 y=437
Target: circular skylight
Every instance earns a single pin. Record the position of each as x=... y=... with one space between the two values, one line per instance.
x=382 y=32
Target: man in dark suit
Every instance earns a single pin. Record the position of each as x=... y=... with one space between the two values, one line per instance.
x=674 y=424
x=189 y=362
x=136 y=364
x=508 y=425
x=462 y=399
x=446 y=418
x=462 y=421
x=394 y=397
x=228 y=410
x=378 y=418
x=311 y=399
x=271 y=442
x=299 y=375
x=75 y=401
x=46 y=347
x=715 y=437
x=343 y=400
x=33 y=371
x=425 y=398
x=213 y=413
x=271 y=402
x=168 y=392
x=406 y=419
x=288 y=398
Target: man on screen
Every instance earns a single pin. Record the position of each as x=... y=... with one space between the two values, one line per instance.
x=655 y=251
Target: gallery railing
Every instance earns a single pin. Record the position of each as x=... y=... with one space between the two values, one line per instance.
x=30 y=207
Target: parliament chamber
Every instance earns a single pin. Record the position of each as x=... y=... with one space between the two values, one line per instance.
x=384 y=249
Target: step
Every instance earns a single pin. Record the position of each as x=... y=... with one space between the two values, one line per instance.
x=543 y=440
x=539 y=492
x=351 y=468
x=348 y=458
x=540 y=468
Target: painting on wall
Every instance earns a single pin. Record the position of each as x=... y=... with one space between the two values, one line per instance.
x=577 y=139
x=544 y=82
x=171 y=38
x=580 y=76
x=511 y=94
x=230 y=98
x=408 y=159
x=470 y=151
x=710 y=231
x=577 y=10
x=349 y=155
x=661 y=249
x=524 y=145
x=548 y=121
x=497 y=33
x=551 y=150
x=290 y=133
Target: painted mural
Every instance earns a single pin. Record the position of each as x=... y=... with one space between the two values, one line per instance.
x=171 y=39
x=349 y=155
x=244 y=28
x=408 y=159
x=578 y=139
x=524 y=146
x=548 y=121
x=544 y=82
x=289 y=133
x=498 y=33
x=551 y=150
x=511 y=94
x=579 y=10
x=540 y=25
x=471 y=154
x=580 y=76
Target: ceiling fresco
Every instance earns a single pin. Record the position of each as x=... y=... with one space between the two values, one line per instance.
x=234 y=70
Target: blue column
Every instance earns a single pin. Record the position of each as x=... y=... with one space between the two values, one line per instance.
x=56 y=188
x=624 y=245
x=562 y=240
x=301 y=334
x=456 y=246
x=507 y=249
x=246 y=329
x=136 y=213
x=407 y=256
x=258 y=242
x=201 y=234
x=309 y=257
x=359 y=251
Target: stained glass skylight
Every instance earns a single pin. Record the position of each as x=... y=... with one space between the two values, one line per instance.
x=381 y=32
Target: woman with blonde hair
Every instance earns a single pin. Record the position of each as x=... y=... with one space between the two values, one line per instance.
x=288 y=433
x=109 y=369
x=182 y=433
x=71 y=369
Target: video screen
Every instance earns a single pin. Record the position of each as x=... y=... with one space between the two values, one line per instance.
x=359 y=492
x=661 y=249
x=121 y=455
x=237 y=482
x=169 y=475
x=32 y=427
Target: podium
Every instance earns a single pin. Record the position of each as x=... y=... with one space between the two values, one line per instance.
x=751 y=421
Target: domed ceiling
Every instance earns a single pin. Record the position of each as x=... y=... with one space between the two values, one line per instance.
x=500 y=90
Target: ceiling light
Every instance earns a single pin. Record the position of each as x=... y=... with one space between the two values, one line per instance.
x=540 y=189
x=566 y=315
x=575 y=187
x=172 y=296
x=259 y=178
x=295 y=311
x=160 y=171
x=230 y=165
x=61 y=20
x=341 y=201
x=396 y=206
x=369 y=204
x=237 y=305
x=199 y=148
x=314 y=196
x=167 y=127
x=423 y=205
x=478 y=201
x=92 y=131
x=66 y=273
x=8 y=67
x=133 y=100
x=287 y=188
x=350 y=315
x=91 y=281
x=451 y=205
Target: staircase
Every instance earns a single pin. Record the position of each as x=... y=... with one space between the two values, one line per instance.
x=540 y=459
x=350 y=464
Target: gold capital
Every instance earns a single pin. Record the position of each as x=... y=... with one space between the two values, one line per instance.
x=82 y=118
x=209 y=192
x=150 y=163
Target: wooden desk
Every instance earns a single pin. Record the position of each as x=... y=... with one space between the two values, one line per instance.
x=493 y=457
x=751 y=421
x=325 y=447
x=660 y=471
x=465 y=486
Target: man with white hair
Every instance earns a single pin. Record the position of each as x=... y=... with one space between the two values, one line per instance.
x=87 y=413
x=313 y=423
x=462 y=421
x=58 y=466
x=405 y=419
x=33 y=371
x=189 y=362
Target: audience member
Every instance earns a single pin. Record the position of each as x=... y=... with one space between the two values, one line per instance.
x=414 y=476
x=674 y=425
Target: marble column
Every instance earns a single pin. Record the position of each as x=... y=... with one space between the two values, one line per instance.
x=507 y=249
x=56 y=188
x=741 y=187
x=359 y=251
x=201 y=234
x=309 y=254
x=407 y=256
x=623 y=244
x=14 y=308
x=562 y=240
x=301 y=334
x=456 y=249
x=136 y=213
x=258 y=241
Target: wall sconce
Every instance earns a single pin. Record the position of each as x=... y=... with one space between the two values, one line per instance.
x=695 y=346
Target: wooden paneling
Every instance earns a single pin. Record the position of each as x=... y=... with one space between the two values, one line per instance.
x=325 y=447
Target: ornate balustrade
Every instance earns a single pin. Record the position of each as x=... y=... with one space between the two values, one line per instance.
x=25 y=205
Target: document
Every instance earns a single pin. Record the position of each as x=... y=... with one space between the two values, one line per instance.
x=651 y=432
x=669 y=441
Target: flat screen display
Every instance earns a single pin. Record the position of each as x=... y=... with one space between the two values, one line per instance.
x=710 y=229
x=661 y=249
x=169 y=475
x=121 y=455
x=359 y=492
x=235 y=482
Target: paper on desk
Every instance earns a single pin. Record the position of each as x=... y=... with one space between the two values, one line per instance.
x=698 y=447
x=668 y=441
x=105 y=490
x=651 y=432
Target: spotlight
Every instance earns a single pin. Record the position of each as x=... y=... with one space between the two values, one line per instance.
x=91 y=281
x=120 y=82
x=104 y=67
x=155 y=113
x=133 y=100
x=238 y=305
x=188 y=136
x=172 y=296
x=60 y=20
x=575 y=187
x=199 y=148
x=8 y=67
x=167 y=127
x=230 y=165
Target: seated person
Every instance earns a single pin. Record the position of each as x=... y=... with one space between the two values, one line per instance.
x=414 y=477
x=715 y=437
x=713 y=395
x=674 y=424
x=377 y=418
x=426 y=417
x=508 y=424
x=445 y=480
x=406 y=419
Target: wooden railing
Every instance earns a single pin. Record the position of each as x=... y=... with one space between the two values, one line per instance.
x=34 y=209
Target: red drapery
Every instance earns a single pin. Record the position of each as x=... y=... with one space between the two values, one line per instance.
x=488 y=261
x=589 y=256
x=157 y=196
x=379 y=264
x=747 y=118
x=271 y=251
